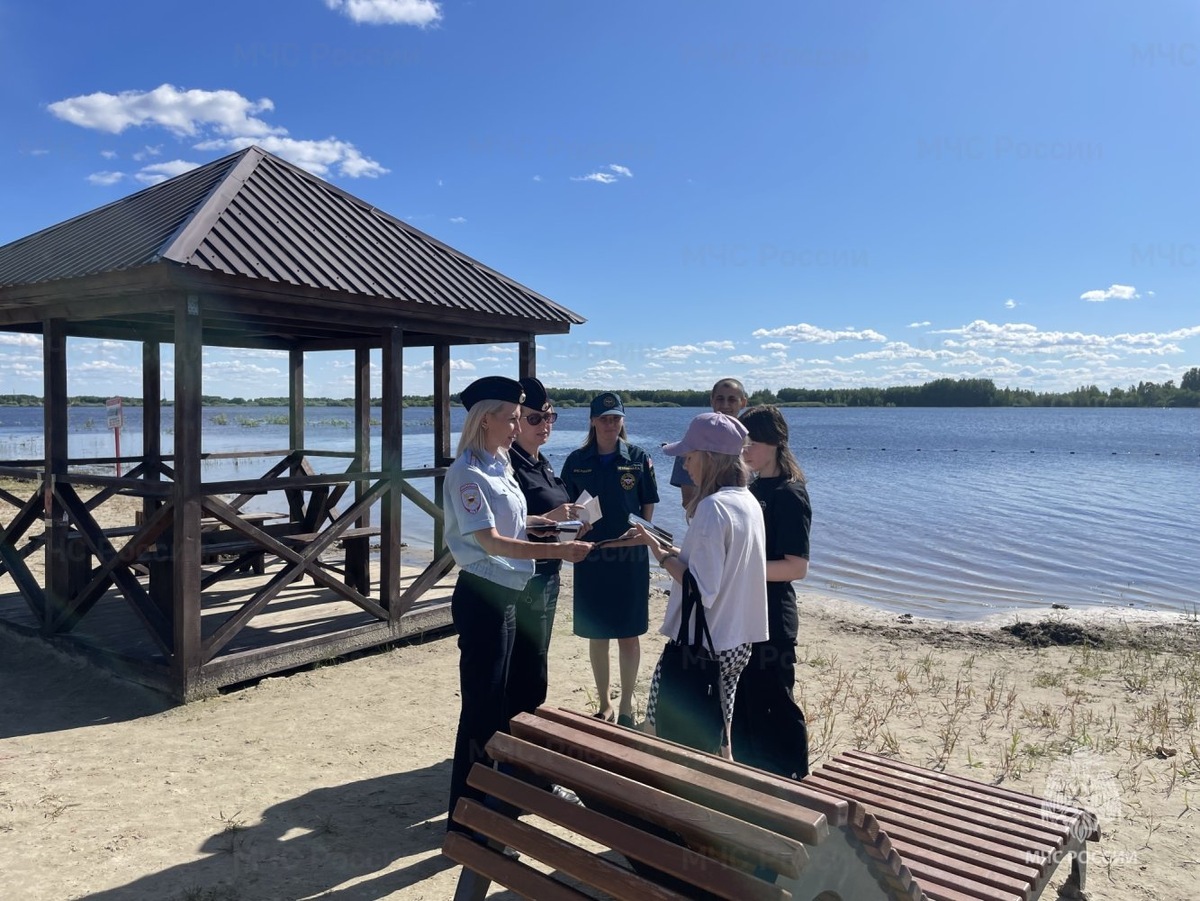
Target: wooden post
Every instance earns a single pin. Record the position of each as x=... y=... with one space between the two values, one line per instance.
x=441 y=436
x=54 y=379
x=160 y=590
x=296 y=426
x=392 y=465
x=527 y=357
x=185 y=548
x=362 y=422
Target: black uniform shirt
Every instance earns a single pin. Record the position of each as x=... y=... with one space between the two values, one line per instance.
x=543 y=492
x=787 y=514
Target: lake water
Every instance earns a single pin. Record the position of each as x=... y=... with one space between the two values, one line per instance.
x=946 y=513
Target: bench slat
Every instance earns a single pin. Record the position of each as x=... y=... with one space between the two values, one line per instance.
x=949 y=841
x=523 y=880
x=358 y=532
x=590 y=869
x=701 y=827
x=1068 y=812
x=971 y=809
x=1000 y=875
x=746 y=804
x=836 y=810
x=948 y=885
x=721 y=879
x=906 y=806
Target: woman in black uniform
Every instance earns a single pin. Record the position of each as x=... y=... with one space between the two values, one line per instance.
x=528 y=671
x=769 y=730
x=612 y=585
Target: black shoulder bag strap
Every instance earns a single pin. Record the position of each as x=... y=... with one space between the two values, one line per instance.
x=701 y=637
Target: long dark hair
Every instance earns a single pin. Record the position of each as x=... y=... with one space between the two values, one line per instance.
x=766 y=425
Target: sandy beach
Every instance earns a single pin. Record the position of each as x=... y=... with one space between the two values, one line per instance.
x=331 y=782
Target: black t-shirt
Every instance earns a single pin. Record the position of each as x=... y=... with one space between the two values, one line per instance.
x=543 y=492
x=787 y=515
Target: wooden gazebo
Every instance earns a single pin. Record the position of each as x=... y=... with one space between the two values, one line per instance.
x=248 y=251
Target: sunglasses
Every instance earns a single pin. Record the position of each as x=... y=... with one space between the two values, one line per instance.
x=536 y=419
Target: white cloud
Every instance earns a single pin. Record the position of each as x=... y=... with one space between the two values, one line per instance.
x=147 y=151
x=109 y=154
x=682 y=351
x=924 y=324
x=1115 y=292
x=717 y=345
x=222 y=120
x=388 y=12
x=107 y=367
x=105 y=178
x=599 y=343
x=458 y=220
x=812 y=334
x=315 y=156
x=746 y=359
x=1010 y=304
x=603 y=178
x=773 y=345
x=1017 y=337
x=181 y=112
x=13 y=340
x=156 y=172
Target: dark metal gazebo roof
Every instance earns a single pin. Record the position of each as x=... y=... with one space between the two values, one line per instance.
x=252 y=225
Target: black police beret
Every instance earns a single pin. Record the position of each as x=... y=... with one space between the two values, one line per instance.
x=535 y=393
x=492 y=387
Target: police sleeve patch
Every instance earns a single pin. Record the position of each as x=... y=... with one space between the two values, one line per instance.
x=471 y=497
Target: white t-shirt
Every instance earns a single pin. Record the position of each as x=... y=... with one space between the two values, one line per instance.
x=725 y=549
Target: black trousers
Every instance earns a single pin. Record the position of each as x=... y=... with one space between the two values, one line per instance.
x=769 y=731
x=484 y=614
x=529 y=670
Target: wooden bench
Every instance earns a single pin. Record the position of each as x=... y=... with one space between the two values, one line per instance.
x=660 y=821
x=963 y=839
x=356 y=543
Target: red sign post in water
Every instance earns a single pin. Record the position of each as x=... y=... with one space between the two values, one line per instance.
x=112 y=407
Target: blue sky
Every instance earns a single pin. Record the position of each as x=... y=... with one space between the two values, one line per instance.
x=799 y=194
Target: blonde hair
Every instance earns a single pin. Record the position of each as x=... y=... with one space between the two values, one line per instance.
x=472 y=436
x=717 y=471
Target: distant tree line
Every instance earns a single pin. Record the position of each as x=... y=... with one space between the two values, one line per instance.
x=938 y=393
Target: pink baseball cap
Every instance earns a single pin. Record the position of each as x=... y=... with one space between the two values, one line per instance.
x=713 y=432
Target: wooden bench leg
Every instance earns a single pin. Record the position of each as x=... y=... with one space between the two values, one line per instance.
x=358 y=564
x=1075 y=887
x=471 y=886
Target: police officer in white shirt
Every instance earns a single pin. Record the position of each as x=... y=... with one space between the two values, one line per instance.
x=486 y=522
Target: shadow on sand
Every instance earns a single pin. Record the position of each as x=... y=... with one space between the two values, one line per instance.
x=309 y=845
x=46 y=690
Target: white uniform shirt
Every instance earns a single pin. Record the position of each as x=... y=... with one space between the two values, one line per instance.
x=725 y=548
x=481 y=493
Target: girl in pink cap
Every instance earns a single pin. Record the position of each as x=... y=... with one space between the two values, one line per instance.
x=724 y=550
